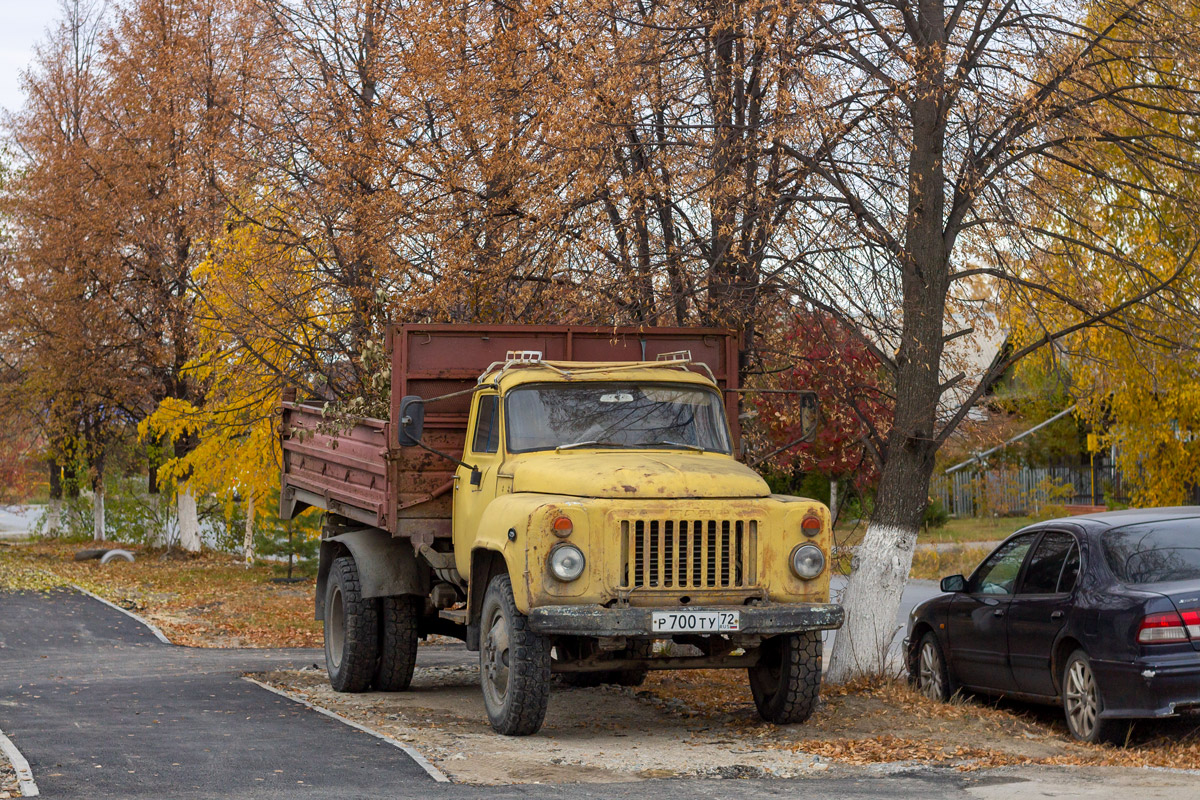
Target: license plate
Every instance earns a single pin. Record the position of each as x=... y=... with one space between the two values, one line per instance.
x=695 y=621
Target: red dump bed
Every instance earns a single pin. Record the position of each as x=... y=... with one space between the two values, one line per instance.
x=357 y=470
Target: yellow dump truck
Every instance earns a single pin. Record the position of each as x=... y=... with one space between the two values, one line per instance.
x=560 y=499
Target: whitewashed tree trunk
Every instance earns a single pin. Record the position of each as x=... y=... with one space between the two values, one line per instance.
x=98 y=527
x=189 y=521
x=833 y=498
x=872 y=600
x=248 y=544
x=54 y=517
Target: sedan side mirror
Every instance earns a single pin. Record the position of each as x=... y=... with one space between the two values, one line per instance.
x=954 y=583
x=412 y=420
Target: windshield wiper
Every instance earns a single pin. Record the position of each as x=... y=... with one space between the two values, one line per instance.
x=591 y=443
x=680 y=445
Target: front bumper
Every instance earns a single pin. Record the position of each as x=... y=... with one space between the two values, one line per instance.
x=767 y=619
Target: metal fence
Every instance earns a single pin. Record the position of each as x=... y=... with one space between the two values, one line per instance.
x=1010 y=491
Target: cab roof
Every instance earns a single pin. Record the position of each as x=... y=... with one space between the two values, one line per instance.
x=512 y=373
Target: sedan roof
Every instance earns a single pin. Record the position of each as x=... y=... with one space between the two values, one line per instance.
x=1135 y=516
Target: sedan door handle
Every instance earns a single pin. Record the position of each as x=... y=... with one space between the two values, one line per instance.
x=1056 y=615
x=999 y=612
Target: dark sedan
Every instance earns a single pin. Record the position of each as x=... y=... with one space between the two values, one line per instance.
x=1099 y=613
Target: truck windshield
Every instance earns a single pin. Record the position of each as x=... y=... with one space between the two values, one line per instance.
x=625 y=415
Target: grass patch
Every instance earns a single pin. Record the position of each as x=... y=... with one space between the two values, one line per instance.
x=955 y=531
x=211 y=600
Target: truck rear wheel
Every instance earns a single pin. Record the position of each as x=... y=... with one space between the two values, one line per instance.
x=514 y=664
x=398 y=618
x=351 y=629
x=787 y=681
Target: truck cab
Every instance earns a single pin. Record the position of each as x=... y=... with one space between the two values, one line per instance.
x=596 y=509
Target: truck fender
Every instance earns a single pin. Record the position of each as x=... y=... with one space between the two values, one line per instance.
x=485 y=565
x=387 y=566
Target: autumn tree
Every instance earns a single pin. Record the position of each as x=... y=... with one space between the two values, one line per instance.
x=66 y=346
x=816 y=353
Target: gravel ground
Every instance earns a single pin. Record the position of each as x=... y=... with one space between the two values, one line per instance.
x=678 y=724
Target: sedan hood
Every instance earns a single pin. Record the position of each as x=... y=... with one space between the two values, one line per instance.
x=635 y=474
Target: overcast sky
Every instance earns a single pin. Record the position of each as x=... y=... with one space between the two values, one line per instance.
x=22 y=23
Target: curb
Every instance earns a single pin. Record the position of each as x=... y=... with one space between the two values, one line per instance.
x=29 y=787
x=422 y=762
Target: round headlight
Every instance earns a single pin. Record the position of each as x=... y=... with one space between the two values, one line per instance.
x=566 y=562
x=808 y=561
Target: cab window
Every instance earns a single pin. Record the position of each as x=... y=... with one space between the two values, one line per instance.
x=487 y=425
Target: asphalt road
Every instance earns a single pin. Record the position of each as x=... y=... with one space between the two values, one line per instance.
x=101 y=708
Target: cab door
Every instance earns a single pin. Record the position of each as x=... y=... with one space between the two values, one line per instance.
x=475 y=488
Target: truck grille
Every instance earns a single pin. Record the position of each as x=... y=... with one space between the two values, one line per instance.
x=688 y=554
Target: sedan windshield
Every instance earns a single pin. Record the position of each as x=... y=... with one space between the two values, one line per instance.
x=607 y=415
x=1155 y=552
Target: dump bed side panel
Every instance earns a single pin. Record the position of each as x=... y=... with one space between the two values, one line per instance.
x=342 y=469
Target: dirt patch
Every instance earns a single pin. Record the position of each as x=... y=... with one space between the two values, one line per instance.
x=704 y=724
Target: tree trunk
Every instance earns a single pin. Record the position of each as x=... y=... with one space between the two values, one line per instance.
x=98 y=527
x=884 y=558
x=881 y=566
x=54 y=506
x=248 y=543
x=833 y=498
x=189 y=522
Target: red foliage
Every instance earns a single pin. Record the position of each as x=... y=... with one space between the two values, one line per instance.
x=836 y=363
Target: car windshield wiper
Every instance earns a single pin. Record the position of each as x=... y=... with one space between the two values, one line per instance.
x=592 y=443
x=680 y=445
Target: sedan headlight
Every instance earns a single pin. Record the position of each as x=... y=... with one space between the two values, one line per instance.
x=566 y=562
x=808 y=561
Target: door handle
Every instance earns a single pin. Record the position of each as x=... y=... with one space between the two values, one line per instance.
x=1056 y=615
x=999 y=612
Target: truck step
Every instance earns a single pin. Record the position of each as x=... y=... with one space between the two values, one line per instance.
x=455 y=615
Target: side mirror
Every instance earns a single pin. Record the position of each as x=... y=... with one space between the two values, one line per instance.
x=810 y=416
x=954 y=583
x=412 y=420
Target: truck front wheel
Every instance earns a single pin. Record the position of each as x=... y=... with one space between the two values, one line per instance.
x=351 y=629
x=514 y=664
x=787 y=681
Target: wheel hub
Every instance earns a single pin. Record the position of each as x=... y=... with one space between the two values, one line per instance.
x=1081 y=700
x=929 y=676
x=496 y=660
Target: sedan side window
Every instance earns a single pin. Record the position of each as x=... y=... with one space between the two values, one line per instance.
x=1047 y=562
x=998 y=574
x=1070 y=573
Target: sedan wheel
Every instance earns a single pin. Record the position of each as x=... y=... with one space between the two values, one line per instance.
x=928 y=670
x=1083 y=702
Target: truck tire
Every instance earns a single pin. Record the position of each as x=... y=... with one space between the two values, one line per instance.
x=514 y=664
x=787 y=681
x=398 y=618
x=351 y=629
